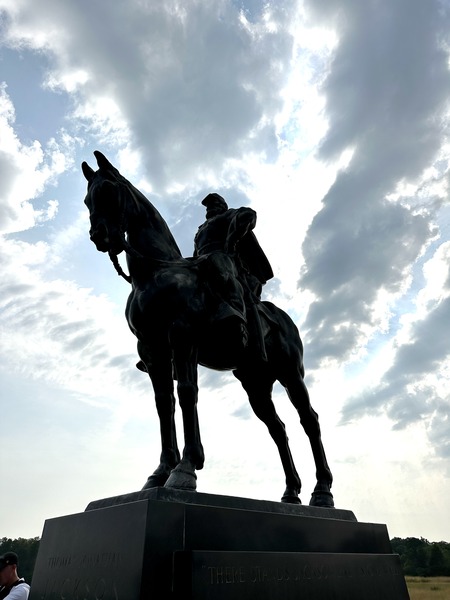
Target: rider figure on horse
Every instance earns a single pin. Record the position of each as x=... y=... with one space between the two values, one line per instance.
x=236 y=265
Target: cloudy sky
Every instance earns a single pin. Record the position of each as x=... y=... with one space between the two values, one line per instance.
x=331 y=119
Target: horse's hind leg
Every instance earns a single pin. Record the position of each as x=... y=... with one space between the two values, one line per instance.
x=309 y=419
x=259 y=390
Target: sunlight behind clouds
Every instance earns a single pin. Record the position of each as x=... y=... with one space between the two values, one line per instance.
x=330 y=120
x=67 y=81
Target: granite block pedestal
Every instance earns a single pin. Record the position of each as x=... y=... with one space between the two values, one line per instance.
x=167 y=545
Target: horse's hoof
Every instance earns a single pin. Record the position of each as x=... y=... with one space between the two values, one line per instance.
x=322 y=499
x=290 y=496
x=291 y=500
x=182 y=478
x=155 y=481
x=158 y=478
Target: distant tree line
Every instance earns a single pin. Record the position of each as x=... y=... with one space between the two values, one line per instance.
x=421 y=557
x=26 y=550
x=418 y=556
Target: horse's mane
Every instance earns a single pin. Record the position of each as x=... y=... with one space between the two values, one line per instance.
x=139 y=200
x=111 y=173
x=141 y=203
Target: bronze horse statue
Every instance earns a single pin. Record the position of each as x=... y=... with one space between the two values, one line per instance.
x=168 y=310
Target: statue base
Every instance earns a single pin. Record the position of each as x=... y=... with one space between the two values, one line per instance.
x=172 y=545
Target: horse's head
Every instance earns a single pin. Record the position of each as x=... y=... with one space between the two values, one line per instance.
x=116 y=207
x=105 y=203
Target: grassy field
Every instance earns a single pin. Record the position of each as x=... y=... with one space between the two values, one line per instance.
x=428 y=588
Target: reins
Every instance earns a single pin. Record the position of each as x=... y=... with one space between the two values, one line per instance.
x=126 y=246
x=118 y=268
x=158 y=262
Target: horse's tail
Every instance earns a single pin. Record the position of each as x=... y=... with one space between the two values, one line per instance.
x=283 y=329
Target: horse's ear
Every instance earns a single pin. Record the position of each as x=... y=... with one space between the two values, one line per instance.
x=103 y=162
x=87 y=171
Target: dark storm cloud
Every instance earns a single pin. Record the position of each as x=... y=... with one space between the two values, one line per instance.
x=386 y=91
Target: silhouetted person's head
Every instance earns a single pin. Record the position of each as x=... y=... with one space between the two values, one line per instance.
x=8 y=568
x=215 y=205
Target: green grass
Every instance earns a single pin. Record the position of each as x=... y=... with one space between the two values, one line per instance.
x=428 y=588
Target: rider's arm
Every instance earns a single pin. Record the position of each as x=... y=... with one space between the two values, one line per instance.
x=243 y=221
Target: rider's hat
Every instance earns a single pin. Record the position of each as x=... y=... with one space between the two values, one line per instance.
x=214 y=200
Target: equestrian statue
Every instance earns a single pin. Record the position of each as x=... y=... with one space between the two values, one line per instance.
x=206 y=310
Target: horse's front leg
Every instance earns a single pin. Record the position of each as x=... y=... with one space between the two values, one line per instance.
x=160 y=373
x=185 y=363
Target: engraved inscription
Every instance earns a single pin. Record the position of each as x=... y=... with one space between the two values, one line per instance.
x=79 y=589
x=258 y=574
x=226 y=575
x=76 y=576
x=98 y=559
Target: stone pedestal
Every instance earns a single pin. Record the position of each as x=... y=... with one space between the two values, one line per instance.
x=167 y=545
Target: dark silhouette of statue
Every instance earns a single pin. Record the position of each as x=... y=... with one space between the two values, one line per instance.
x=173 y=309
x=236 y=266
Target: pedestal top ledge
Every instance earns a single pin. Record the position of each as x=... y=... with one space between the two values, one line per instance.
x=187 y=497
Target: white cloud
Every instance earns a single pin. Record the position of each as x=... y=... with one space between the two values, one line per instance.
x=26 y=171
x=202 y=87
x=330 y=120
x=359 y=244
